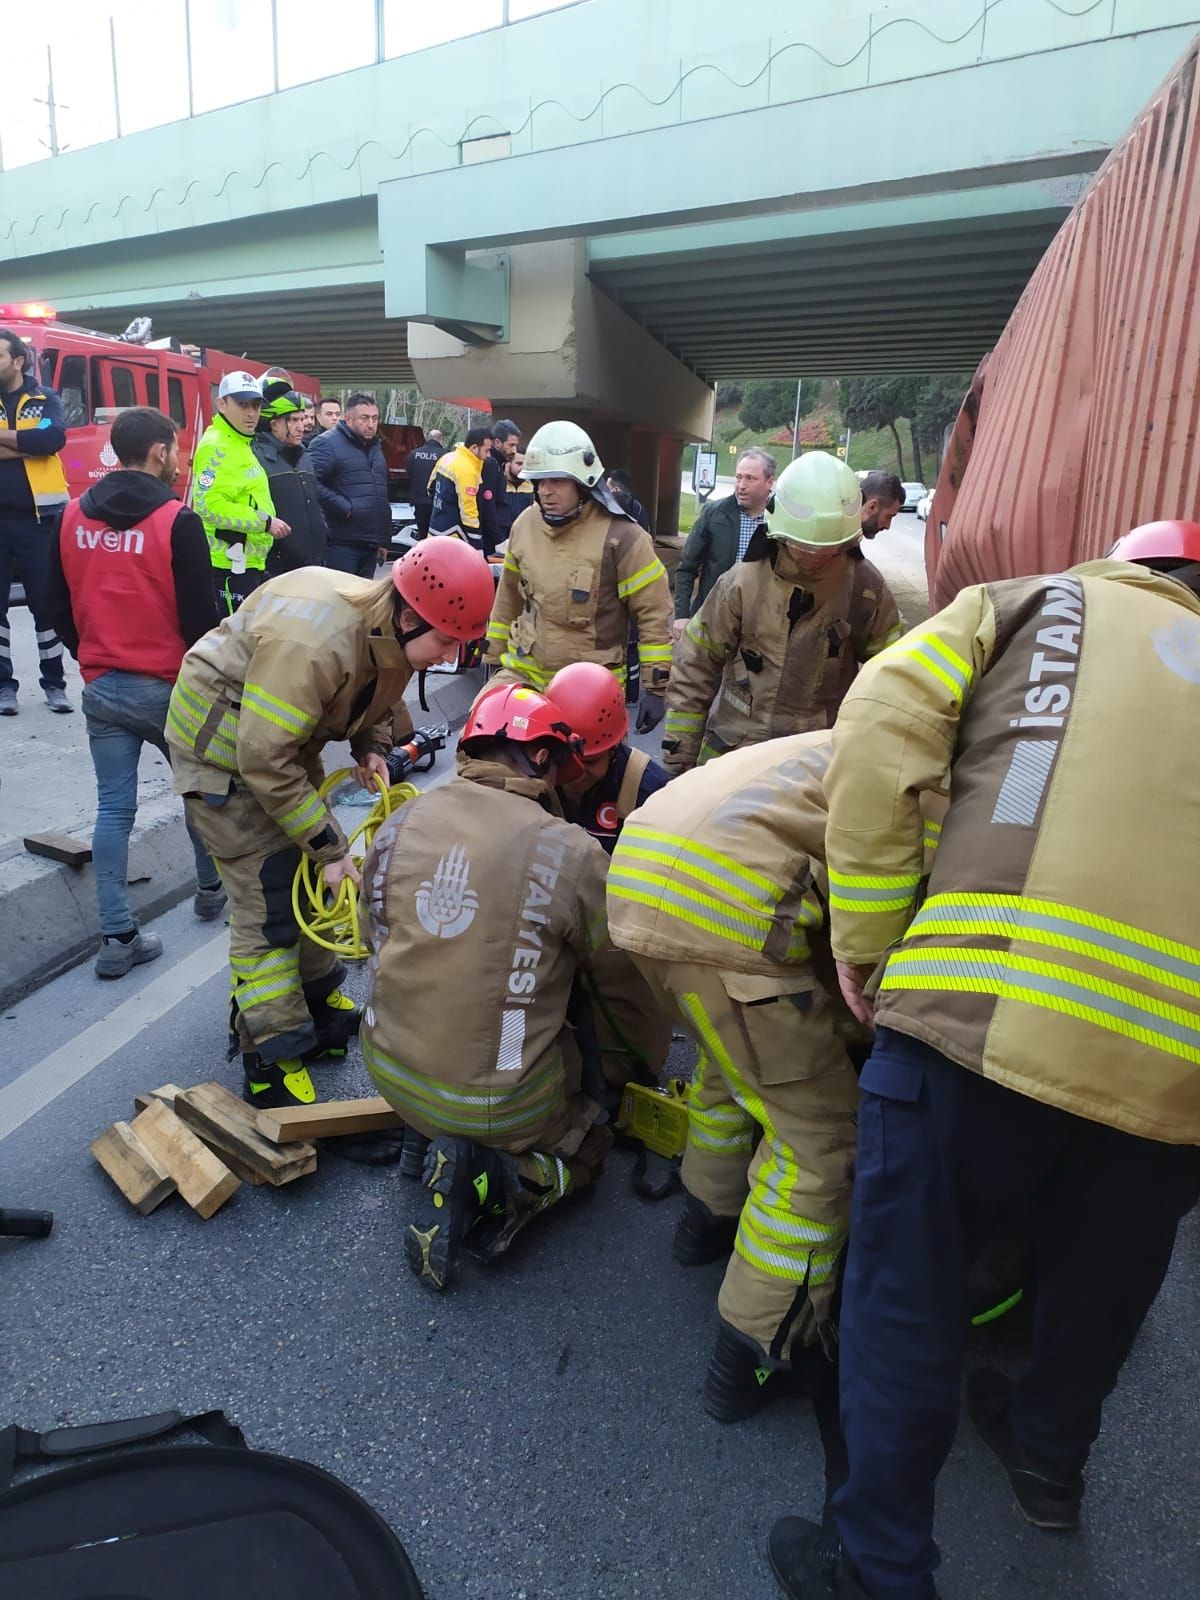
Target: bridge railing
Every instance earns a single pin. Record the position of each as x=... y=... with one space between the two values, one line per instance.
x=129 y=65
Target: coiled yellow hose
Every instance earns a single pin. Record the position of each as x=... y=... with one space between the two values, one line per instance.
x=330 y=918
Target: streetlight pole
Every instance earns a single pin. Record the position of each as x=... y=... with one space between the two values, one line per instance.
x=796 y=421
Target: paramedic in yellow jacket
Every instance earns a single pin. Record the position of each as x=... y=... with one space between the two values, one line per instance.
x=579 y=573
x=1037 y=1019
x=311 y=656
x=717 y=890
x=781 y=635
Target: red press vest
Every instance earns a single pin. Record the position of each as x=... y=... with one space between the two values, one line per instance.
x=122 y=589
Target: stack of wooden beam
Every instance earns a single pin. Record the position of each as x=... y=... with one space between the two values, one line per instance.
x=203 y=1143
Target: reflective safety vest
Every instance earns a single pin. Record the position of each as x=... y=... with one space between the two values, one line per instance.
x=231 y=496
x=47 y=481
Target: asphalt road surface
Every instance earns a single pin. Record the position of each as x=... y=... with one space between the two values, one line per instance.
x=534 y=1434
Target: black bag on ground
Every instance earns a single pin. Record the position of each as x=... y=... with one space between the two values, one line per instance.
x=216 y=1521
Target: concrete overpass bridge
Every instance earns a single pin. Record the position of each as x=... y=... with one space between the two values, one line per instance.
x=603 y=210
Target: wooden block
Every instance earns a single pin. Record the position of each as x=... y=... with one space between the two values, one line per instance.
x=203 y=1180
x=59 y=847
x=228 y=1123
x=132 y=1167
x=166 y=1093
x=245 y=1173
x=327 y=1120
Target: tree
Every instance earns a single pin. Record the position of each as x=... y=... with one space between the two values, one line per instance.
x=728 y=394
x=877 y=403
x=938 y=406
x=767 y=405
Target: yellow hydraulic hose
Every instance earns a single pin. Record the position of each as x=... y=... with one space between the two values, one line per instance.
x=330 y=918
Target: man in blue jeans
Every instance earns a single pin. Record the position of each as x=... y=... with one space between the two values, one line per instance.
x=32 y=492
x=130 y=590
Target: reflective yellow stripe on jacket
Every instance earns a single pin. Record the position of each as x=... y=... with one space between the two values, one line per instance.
x=1111 y=1002
x=702 y=887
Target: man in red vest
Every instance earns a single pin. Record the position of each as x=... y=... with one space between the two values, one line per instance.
x=130 y=591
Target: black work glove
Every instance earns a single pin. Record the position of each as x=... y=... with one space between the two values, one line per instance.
x=652 y=708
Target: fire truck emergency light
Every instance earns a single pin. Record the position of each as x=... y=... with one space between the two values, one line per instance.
x=30 y=311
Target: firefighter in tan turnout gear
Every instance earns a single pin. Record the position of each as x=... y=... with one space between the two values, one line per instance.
x=1037 y=1046
x=311 y=656
x=496 y=1066
x=781 y=635
x=578 y=574
x=716 y=888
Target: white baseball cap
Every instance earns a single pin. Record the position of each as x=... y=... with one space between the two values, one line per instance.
x=240 y=386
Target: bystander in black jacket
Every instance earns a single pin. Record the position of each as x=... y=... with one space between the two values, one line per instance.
x=352 y=484
x=296 y=497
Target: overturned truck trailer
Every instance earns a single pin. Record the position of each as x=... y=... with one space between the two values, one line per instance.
x=1083 y=421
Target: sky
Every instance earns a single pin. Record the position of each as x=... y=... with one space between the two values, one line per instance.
x=231 y=56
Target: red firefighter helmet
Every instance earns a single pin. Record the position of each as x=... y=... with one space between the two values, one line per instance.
x=592 y=700
x=449 y=585
x=1174 y=542
x=522 y=716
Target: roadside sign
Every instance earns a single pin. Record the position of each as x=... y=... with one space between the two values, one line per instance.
x=704 y=474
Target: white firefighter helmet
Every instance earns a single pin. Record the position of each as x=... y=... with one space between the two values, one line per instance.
x=818 y=502
x=562 y=450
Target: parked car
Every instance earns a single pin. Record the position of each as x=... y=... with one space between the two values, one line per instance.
x=914 y=493
x=923 y=505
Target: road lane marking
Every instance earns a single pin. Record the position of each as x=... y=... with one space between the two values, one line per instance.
x=42 y=1084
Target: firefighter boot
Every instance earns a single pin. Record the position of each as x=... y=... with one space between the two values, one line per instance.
x=412 y=1162
x=810 y=1564
x=737 y=1384
x=337 y=1019
x=461 y=1181
x=1043 y=1497
x=701 y=1236
x=275 y=1083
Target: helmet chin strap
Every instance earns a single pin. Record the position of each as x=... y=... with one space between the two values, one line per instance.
x=559 y=519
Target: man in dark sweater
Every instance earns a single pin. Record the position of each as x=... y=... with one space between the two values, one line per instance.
x=32 y=492
x=493 y=485
x=130 y=590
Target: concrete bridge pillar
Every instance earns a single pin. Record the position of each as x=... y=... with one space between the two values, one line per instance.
x=572 y=353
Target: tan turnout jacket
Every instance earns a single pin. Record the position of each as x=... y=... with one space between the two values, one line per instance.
x=1056 y=950
x=259 y=696
x=571 y=594
x=480 y=906
x=775 y=675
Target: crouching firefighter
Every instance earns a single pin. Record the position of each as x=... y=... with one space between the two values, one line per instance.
x=311 y=656
x=715 y=888
x=484 y=879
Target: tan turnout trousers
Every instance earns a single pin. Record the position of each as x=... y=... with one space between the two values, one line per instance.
x=771 y=1137
x=275 y=970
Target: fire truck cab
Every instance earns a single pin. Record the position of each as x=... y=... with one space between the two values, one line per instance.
x=98 y=375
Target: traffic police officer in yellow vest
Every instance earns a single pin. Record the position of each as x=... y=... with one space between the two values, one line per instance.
x=717 y=890
x=781 y=635
x=1037 y=1047
x=578 y=573
x=231 y=495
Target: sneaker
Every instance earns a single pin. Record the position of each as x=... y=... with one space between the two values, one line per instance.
x=737 y=1384
x=412 y=1162
x=1044 y=1499
x=8 y=700
x=275 y=1083
x=118 y=956
x=461 y=1180
x=701 y=1236
x=337 y=1019
x=56 y=699
x=809 y=1562
x=208 y=904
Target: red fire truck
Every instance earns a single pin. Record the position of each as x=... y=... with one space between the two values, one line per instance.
x=98 y=375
